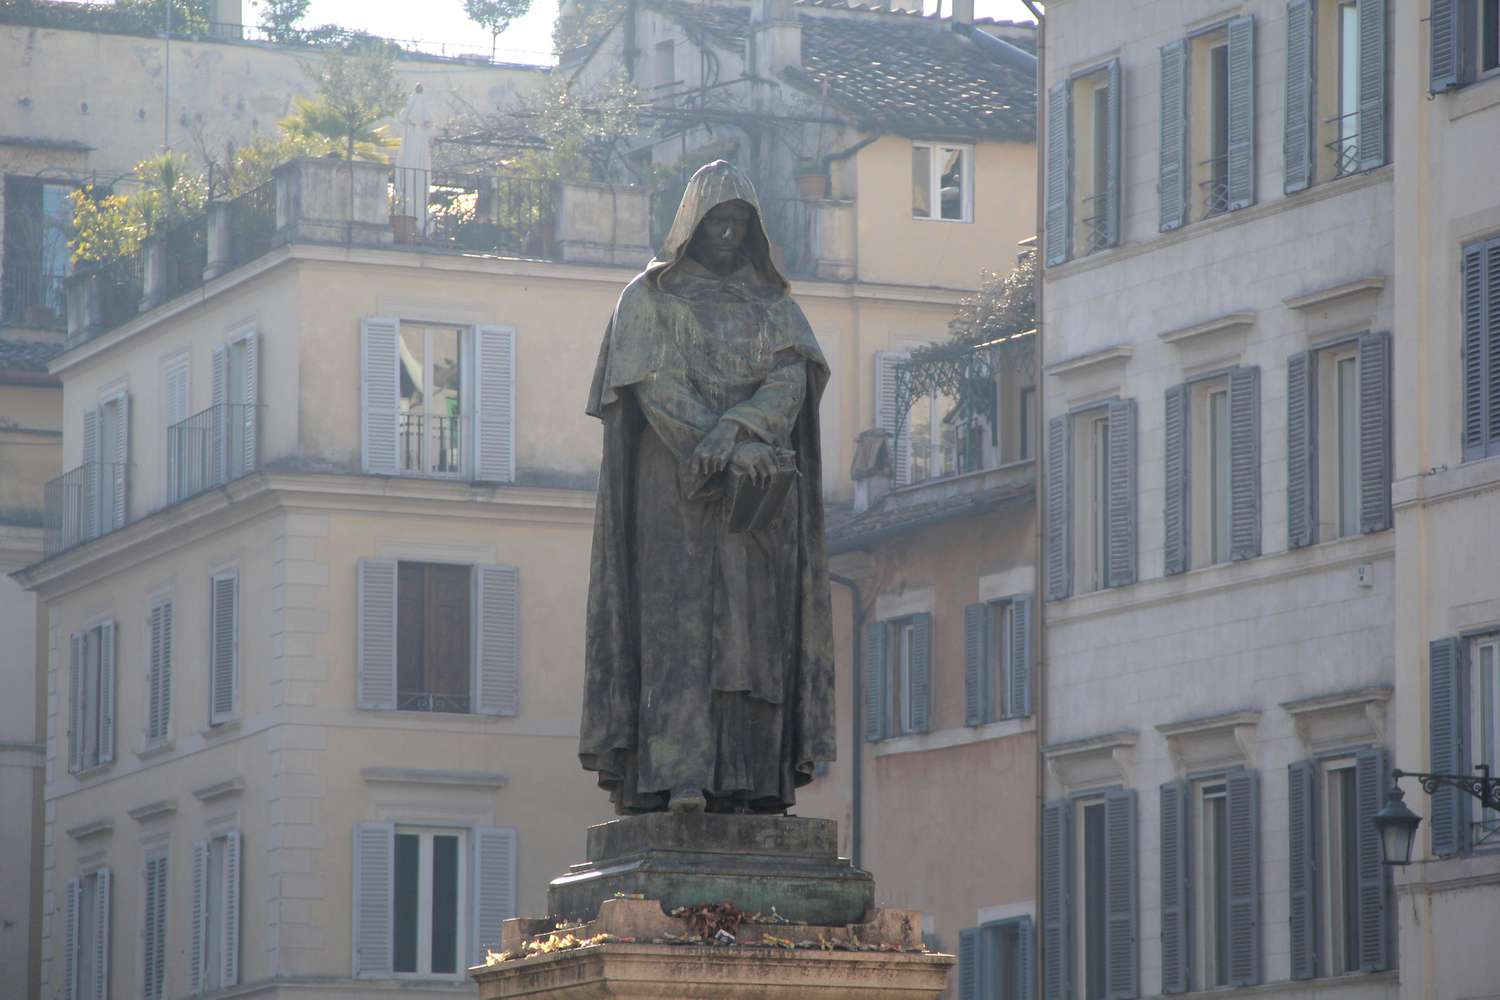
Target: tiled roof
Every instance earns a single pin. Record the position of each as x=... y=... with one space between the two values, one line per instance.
x=27 y=355
x=885 y=519
x=891 y=72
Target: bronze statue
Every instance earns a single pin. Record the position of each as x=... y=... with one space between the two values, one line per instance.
x=708 y=679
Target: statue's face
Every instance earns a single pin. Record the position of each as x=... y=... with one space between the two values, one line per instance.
x=720 y=238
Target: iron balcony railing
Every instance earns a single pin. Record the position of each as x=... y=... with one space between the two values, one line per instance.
x=33 y=296
x=121 y=282
x=211 y=448
x=1215 y=187
x=186 y=252
x=1345 y=143
x=252 y=224
x=427 y=701
x=82 y=504
x=432 y=444
x=1095 y=226
x=479 y=213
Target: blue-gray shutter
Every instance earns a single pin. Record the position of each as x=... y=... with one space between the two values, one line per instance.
x=1121 y=492
x=1447 y=21
x=1122 y=973
x=495 y=396
x=1448 y=750
x=198 y=919
x=1243 y=795
x=494 y=887
x=968 y=963
x=1176 y=926
x=1301 y=449
x=380 y=395
x=1109 y=212
x=1370 y=784
x=108 y=666
x=1374 y=432
x=874 y=668
x=976 y=664
x=1059 y=508
x=1019 y=702
x=1372 y=46
x=218 y=471
x=1057 y=900
x=92 y=478
x=1475 y=352
x=497 y=653
x=1302 y=858
x=1244 y=462
x=229 y=933
x=1172 y=175
x=374 y=899
x=78 y=649
x=1300 y=116
x=1241 y=167
x=1026 y=960
x=1176 y=465
x=921 y=672
x=102 y=879
x=1058 y=231
x=376 y=642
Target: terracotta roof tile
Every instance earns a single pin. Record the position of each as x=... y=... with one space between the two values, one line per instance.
x=27 y=355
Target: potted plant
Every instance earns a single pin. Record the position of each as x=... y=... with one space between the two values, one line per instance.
x=812 y=179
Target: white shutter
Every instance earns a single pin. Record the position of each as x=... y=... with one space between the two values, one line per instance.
x=154 y=930
x=71 y=905
x=218 y=470
x=107 y=648
x=79 y=647
x=250 y=396
x=377 y=634
x=198 y=919
x=223 y=647
x=494 y=886
x=229 y=937
x=886 y=417
x=379 y=394
x=159 y=693
x=374 y=888
x=90 y=459
x=495 y=420
x=174 y=411
x=101 y=934
x=120 y=474
x=497 y=653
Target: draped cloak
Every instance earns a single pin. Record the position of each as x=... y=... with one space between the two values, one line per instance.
x=708 y=656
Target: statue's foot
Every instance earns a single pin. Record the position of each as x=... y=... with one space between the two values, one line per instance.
x=687 y=800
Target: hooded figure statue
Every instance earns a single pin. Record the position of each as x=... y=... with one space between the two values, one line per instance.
x=708 y=677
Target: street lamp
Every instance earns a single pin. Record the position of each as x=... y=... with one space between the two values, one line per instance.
x=1398 y=824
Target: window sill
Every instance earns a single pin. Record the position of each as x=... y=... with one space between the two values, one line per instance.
x=92 y=771
x=1471 y=98
x=218 y=729
x=158 y=749
x=1470 y=476
x=943 y=739
x=951 y=222
x=1302 y=987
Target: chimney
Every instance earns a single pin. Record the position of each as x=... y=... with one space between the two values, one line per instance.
x=963 y=11
x=776 y=37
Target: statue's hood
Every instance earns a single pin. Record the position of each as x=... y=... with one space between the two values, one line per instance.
x=713 y=184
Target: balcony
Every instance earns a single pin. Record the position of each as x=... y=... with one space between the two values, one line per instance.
x=1345 y=144
x=82 y=504
x=432 y=445
x=212 y=448
x=1214 y=188
x=816 y=235
x=33 y=296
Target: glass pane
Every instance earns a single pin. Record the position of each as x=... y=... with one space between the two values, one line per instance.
x=1219 y=123
x=1348 y=86
x=408 y=873
x=91 y=697
x=1219 y=483
x=1348 y=403
x=443 y=407
x=444 y=904
x=1349 y=867
x=413 y=389
x=952 y=183
x=214 y=924
x=57 y=222
x=1216 y=855
x=1490 y=35
x=1101 y=503
x=1000 y=669
x=411 y=633
x=1093 y=907
x=447 y=654
x=924 y=463
x=921 y=182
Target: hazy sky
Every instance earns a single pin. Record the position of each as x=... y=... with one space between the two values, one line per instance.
x=527 y=40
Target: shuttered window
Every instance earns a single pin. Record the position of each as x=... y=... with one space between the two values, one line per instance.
x=107 y=444
x=1091 y=113
x=1174 y=170
x=223 y=647
x=1091 y=499
x=1481 y=349
x=888 y=416
x=1242 y=796
x=91 y=695
x=235 y=425
x=1373 y=48
x=159 y=678
x=1300 y=111
x=214 y=947
x=86 y=936
x=1090 y=927
x=898 y=676
x=175 y=408
x=379 y=394
x=495 y=404
x=1176 y=912
x=1057 y=900
x=1449 y=745
x=995 y=960
x=1207 y=130
x=1211 y=463
x=154 y=928
x=1057 y=233
x=997 y=660
x=1465 y=42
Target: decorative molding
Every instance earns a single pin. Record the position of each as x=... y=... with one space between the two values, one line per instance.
x=945 y=738
x=1226 y=740
x=1335 y=293
x=1091 y=361
x=218 y=790
x=424 y=776
x=1092 y=762
x=153 y=810
x=1235 y=321
x=1342 y=719
x=93 y=828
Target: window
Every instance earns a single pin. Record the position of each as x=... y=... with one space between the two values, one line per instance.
x=1208 y=123
x=1489 y=35
x=86 y=937
x=175 y=402
x=665 y=65
x=1093 y=513
x=38 y=221
x=1089 y=896
x=1340 y=867
x=106 y=452
x=1091 y=498
x=1346 y=122
x=236 y=392
x=1213 y=171
x=92 y=697
x=1481 y=349
x=429 y=904
x=1338 y=442
x=997 y=655
x=431 y=405
x=433 y=664
x=224 y=647
x=938 y=427
x=1465 y=39
x=1484 y=723
x=897 y=676
x=1092 y=902
x=1213 y=882
x=1211 y=458
x=1083 y=163
x=159 y=674
x=942 y=182
x=1335 y=89
x=994 y=959
x=154 y=928
x=214 y=956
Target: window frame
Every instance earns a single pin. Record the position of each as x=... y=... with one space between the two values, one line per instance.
x=1095 y=165
x=1090 y=891
x=473 y=623
x=463 y=462
x=463 y=904
x=1477 y=54
x=1210 y=911
x=91 y=715
x=991 y=935
x=1482 y=726
x=934 y=150
x=1333 y=883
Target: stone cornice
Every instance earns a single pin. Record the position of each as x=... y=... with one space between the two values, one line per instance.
x=1226 y=740
x=1342 y=719
x=426 y=776
x=1091 y=360
x=1324 y=297
x=153 y=810
x=219 y=789
x=93 y=828
x=1092 y=762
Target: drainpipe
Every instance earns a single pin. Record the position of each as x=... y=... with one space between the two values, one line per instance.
x=857 y=758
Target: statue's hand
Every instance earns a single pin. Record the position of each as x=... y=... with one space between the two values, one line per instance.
x=714 y=451
x=756 y=460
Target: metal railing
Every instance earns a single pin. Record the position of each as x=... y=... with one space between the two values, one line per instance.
x=1096 y=226
x=427 y=701
x=479 y=213
x=79 y=505
x=213 y=447
x=186 y=251
x=121 y=282
x=32 y=296
x=1345 y=143
x=1215 y=187
x=431 y=444
x=252 y=224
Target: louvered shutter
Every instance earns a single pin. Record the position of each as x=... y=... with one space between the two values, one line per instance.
x=495 y=886
x=1301 y=113
x=1058 y=231
x=159 y=693
x=218 y=447
x=154 y=931
x=495 y=435
x=250 y=397
x=1059 y=508
x=377 y=633
x=1476 y=352
x=108 y=647
x=1122 y=959
x=1176 y=500
x=1241 y=124
x=874 y=671
x=1372 y=46
x=968 y=963
x=1448 y=745
x=498 y=651
x=1370 y=784
x=1301 y=449
x=102 y=879
x=1244 y=462
x=1374 y=432
x=89 y=507
x=379 y=394
x=198 y=920
x=1242 y=788
x=176 y=406
x=78 y=649
x=1057 y=900
x=1302 y=878
x=976 y=664
x=1449 y=43
x=224 y=647
x=1026 y=960
x=1121 y=492
x=1176 y=937
x=921 y=672
x=229 y=938
x=1172 y=176
x=374 y=899
x=1109 y=212
x=72 y=905
x=119 y=476
x=1020 y=655
x=887 y=415
x=1492 y=345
